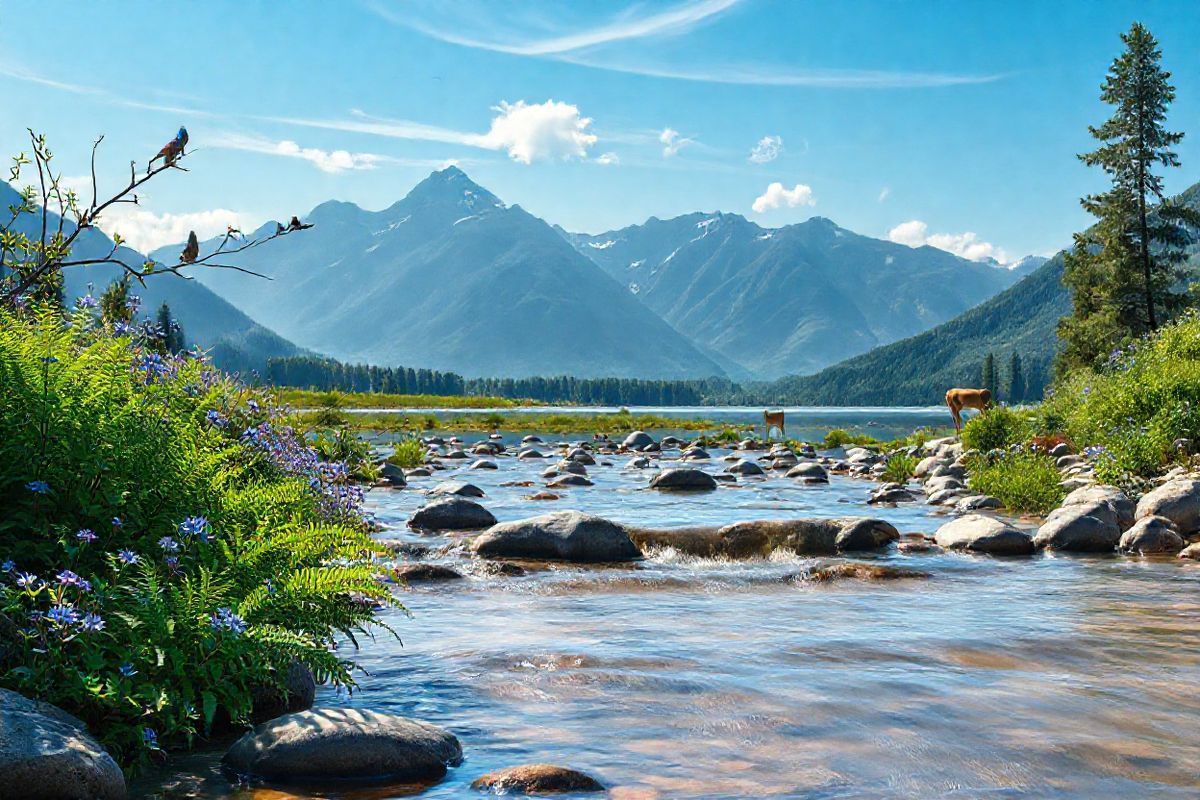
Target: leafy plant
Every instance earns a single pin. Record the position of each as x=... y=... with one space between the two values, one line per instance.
x=341 y=445
x=839 y=437
x=408 y=453
x=995 y=429
x=899 y=467
x=1021 y=479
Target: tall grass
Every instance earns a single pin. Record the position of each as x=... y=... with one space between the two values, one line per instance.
x=1023 y=480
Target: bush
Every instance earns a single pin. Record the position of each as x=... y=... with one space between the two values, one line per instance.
x=899 y=468
x=1022 y=479
x=168 y=545
x=340 y=445
x=840 y=438
x=408 y=453
x=995 y=429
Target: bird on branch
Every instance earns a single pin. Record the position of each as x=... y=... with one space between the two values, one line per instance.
x=192 y=250
x=172 y=150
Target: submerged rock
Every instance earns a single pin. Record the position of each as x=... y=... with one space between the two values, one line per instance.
x=976 y=502
x=537 y=779
x=343 y=744
x=981 y=534
x=47 y=754
x=1191 y=551
x=860 y=570
x=637 y=440
x=810 y=471
x=558 y=536
x=759 y=538
x=451 y=514
x=683 y=480
x=1151 y=535
x=569 y=479
x=425 y=573
x=745 y=467
x=392 y=475
x=1177 y=500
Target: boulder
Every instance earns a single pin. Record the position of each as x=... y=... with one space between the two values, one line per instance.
x=537 y=779
x=1084 y=527
x=981 y=534
x=759 y=538
x=809 y=470
x=530 y=452
x=531 y=439
x=943 y=482
x=891 y=494
x=1151 y=535
x=343 y=744
x=418 y=472
x=683 y=480
x=925 y=466
x=558 y=536
x=1177 y=500
x=569 y=479
x=425 y=573
x=452 y=513
x=695 y=454
x=641 y=462
x=47 y=754
x=459 y=488
x=1059 y=450
x=298 y=693
x=1192 y=551
x=745 y=467
x=483 y=463
x=392 y=474
x=943 y=497
x=1121 y=505
x=976 y=502
x=581 y=456
x=637 y=440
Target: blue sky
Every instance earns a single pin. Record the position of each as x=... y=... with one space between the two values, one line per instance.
x=954 y=124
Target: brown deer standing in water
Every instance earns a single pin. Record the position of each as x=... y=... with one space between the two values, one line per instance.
x=958 y=399
x=774 y=419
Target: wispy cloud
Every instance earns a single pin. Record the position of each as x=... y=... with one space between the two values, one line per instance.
x=331 y=161
x=678 y=19
x=673 y=142
x=27 y=76
x=767 y=149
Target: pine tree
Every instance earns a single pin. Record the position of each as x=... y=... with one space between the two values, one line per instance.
x=1125 y=271
x=989 y=374
x=1016 y=379
x=172 y=334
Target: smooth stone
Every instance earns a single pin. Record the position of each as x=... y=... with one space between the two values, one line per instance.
x=759 y=538
x=683 y=480
x=392 y=474
x=298 y=694
x=859 y=570
x=537 y=779
x=809 y=470
x=1151 y=535
x=637 y=440
x=558 y=536
x=569 y=479
x=343 y=744
x=1177 y=500
x=1121 y=505
x=943 y=497
x=745 y=467
x=943 y=482
x=1084 y=528
x=1059 y=450
x=896 y=494
x=418 y=472
x=981 y=534
x=641 y=462
x=483 y=464
x=530 y=453
x=531 y=439
x=572 y=467
x=1192 y=551
x=925 y=466
x=452 y=513
x=460 y=488
x=976 y=502
x=423 y=573
x=47 y=754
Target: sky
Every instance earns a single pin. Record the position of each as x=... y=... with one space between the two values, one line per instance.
x=950 y=124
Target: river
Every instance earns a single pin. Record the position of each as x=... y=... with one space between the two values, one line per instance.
x=1047 y=677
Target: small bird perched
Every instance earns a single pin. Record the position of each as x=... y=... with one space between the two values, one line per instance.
x=295 y=225
x=192 y=250
x=171 y=150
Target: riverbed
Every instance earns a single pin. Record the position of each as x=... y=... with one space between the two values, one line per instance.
x=678 y=677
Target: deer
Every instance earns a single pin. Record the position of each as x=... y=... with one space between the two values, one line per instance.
x=958 y=399
x=774 y=419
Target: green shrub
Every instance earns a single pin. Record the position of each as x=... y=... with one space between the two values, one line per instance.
x=168 y=544
x=995 y=429
x=899 y=468
x=343 y=446
x=1023 y=480
x=408 y=453
x=840 y=438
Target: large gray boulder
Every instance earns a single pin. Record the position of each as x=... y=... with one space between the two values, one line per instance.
x=1151 y=535
x=558 y=536
x=343 y=744
x=745 y=467
x=392 y=474
x=1177 y=500
x=451 y=513
x=1083 y=527
x=981 y=534
x=694 y=480
x=811 y=471
x=1121 y=505
x=637 y=440
x=298 y=693
x=47 y=754
x=460 y=488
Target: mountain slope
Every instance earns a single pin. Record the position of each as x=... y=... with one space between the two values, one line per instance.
x=452 y=279
x=787 y=300
x=236 y=341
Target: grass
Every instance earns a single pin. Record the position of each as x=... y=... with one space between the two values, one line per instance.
x=899 y=468
x=1023 y=480
x=306 y=398
x=614 y=423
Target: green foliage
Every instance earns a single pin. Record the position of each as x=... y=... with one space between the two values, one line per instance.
x=988 y=375
x=173 y=546
x=1015 y=388
x=899 y=467
x=839 y=437
x=1022 y=479
x=1129 y=413
x=409 y=453
x=342 y=446
x=994 y=429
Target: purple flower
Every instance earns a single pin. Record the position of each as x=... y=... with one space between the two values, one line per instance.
x=38 y=487
x=127 y=557
x=26 y=580
x=214 y=417
x=150 y=737
x=87 y=301
x=8 y=566
x=91 y=623
x=194 y=526
x=127 y=670
x=69 y=578
x=168 y=544
x=226 y=620
x=62 y=615
x=86 y=535
x=252 y=405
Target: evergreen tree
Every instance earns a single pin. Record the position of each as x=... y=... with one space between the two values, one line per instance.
x=1016 y=379
x=1125 y=272
x=988 y=377
x=170 y=330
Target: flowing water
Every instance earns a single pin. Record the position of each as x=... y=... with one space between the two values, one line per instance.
x=686 y=678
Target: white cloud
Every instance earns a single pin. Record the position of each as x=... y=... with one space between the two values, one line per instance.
x=608 y=159
x=331 y=161
x=884 y=193
x=767 y=149
x=550 y=131
x=145 y=230
x=672 y=142
x=915 y=233
x=777 y=197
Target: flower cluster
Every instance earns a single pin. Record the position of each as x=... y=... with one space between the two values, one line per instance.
x=225 y=620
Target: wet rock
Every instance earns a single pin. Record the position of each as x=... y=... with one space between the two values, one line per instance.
x=943 y=482
x=543 y=496
x=672 y=441
x=569 y=480
x=811 y=470
x=1151 y=535
x=695 y=454
x=531 y=439
x=298 y=693
x=894 y=494
x=452 y=513
x=1083 y=527
x=641 y=462
x=483 y=463
x=976 y=502
x=537 y=779
x=1059 y=450
x=427 y=573
x=861 y=570
x=581 y=456
x=343 y=744
x=981 y=534
x=459 y=488
x=500 y=568
x=759 y=538
x=456 y=454
x=518 y=484
x=926 y=465
x=944 y=497
x=683 y=480
x=393 y=475
x=1192 y=551
x=530 y=452
x=725 y=477
x=572 y=467
x=915 y=544
x=745 y=467
x=783 y=461
x=1177 y=500
x=418 y=472
x=1122 y=507
x=558 y=536
x=47 y=754
x=637 y=440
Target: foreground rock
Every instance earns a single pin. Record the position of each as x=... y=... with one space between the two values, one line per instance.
x=1122 y=506
x=687 y=480
x=1178 y=501
x=452 y=513
x=759 y=538
x=343 y=744
x=1192 y=551
x=981 y=534
x=1090 y=527
x=47 y=754
x=558 y=536
x=1152 y=535
x=860 y=570
x=427 y=573
x=537 y=779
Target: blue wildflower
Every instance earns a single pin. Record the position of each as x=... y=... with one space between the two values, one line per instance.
x=194 y=526
x=168 y=544
x=127 y=557
x=49 y=360
x=8 y=566
x=172 y=563
x=87 y=301
x=127 y=670
x=225 y=619
x=69 y=578
x=38 y=487
x=150 y=737
x=63 y=615
x=91 y=623
x=86 y=535
x=117 y=522
x=26 y=580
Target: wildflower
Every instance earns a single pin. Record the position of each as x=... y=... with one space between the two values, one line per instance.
x=38 y=487
x=86 y=535
x=117 y=522
x=127 y=557
x=69 y=578
x=49 y=360
x=172 y=564
x=63 y=615
x=270 y=586
x=91 y=623
x=26 y=580
x=87 y=301
x=168 y=544
x=225 y=619
x=215 y=417
x=127 y=670
x=194 y=526
x=150 y=737
x=121 y=328
x=8 y=566
x=252 y=405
